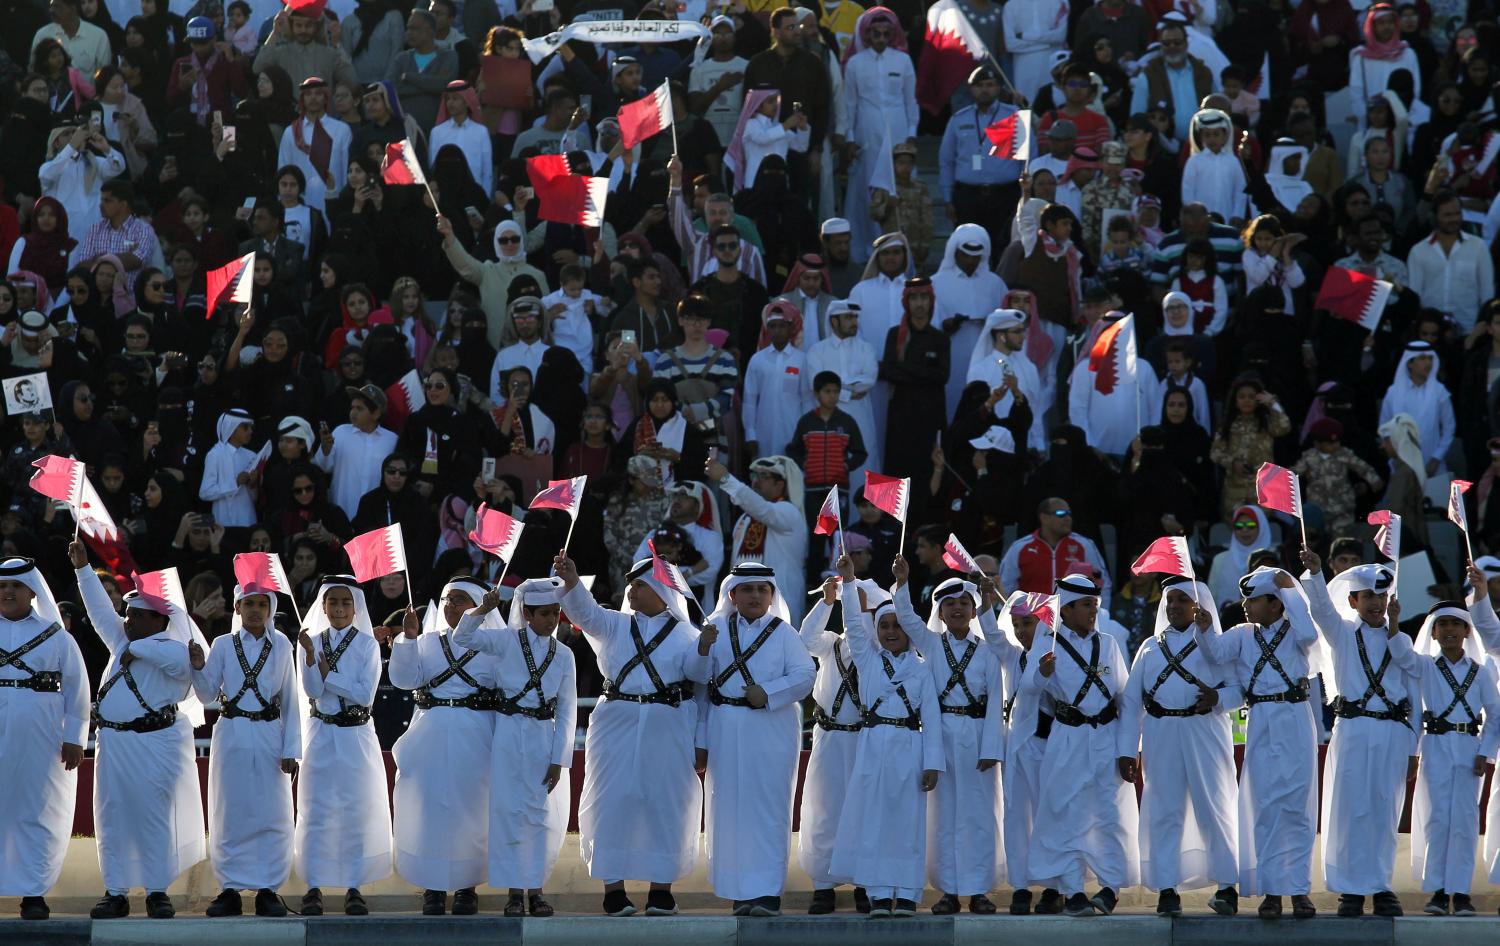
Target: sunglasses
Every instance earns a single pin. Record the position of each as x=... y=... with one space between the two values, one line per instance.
x=436 y=386
x=303 y=490
x=1251 y=524
x=1062 y=513
x=395 y=471
x=509 y=239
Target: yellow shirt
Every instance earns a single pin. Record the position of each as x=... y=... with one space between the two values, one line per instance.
x=840 y=21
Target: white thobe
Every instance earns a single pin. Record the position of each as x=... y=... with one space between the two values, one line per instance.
x=774 y=534
x=963 y=815
x=222 y=467
x=880 y=309
x=74 y=178
x=148 y=815
x=778 y=391
x=880 y=111
x=527 y=822
x=1086 y=820
x=992 y=373
x=710 y=544
x=39 y=792
x=1364 y=769
x=1034 y=30
x=516 y=354
x=250 y=821
x=343 y=834
x=1431 y=406
x=473 y=139
x=318 y=189
x=642 y=802
x=857 y=363
x=1445 y=806
x=1278 y=799
x=825 y=787
x=1189 y=833
x=880 y=842
x=1217 y=180
x=354 y=463
x=1021 y=779
x=441 y=830
x=765 y=136
x=753 y=756
x=1370 y=77
x=572 y=328
x=973 y=298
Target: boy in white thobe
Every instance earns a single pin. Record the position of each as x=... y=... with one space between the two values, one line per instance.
x=1087 y=819
x=251 y=672
x=147 y=810
x=443 y=758
x=880 y=843
x=343 y=836
x=1027 y=729
x=1459 y=700
x=1188 y=750
x=44 y=699
x=778 y=385
x=837 y=712
x=1372 y=754
x=1270 y=655
x=642 y=803
x=757 y=672
x=537 y=709
x=963 y=816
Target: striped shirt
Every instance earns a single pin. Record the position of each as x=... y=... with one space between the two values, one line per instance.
x=134 y=237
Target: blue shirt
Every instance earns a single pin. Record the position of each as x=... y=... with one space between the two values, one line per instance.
x=964 y=140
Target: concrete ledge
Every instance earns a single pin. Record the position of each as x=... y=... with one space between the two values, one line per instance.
x=1325 y=930
x=226 y=931
x=639 y=931
x=61 y=931
x=1114 y=930
x=1447 y=931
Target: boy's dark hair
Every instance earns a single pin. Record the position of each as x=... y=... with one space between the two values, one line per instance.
x=1179 y=346
x=824 y=378
x=1235 y=73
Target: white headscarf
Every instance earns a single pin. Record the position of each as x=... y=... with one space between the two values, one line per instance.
x=1018 y=603
x=24 y=570
x=230 y=421
x=985 y=361
x=708 y=510
x=317 y=620
x=1075 y=588
x=965 y=233
x=788 y=470
x=294 y=426
x=1421 y=403
x=747 y=573
x=672 y=598
x=533 y=593
x=434 y=621
x=884 y=242
x=1402 y=432
x=950 y=588
x=1204 y=598
x=1168 y=328
x=1427 y=644
x=1210 y=118
x=182 y=629
x=518 y=254
x=1288 y=188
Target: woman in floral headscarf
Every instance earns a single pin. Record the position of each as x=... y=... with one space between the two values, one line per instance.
x=633 y=513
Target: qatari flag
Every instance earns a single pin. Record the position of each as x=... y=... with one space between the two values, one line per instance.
x=1278 y=488
x=889 y=494
x=956 y=557
x=646 y=116
x=1011 y=137
x=400 y=164
x=1354 y=297
x=1456 y=512
x=1038 y=604
x=236 y=272
x=496 y=533
x=667 y=573
x=561 y=494
x=162 y=586
x=1388 y=535
x=1168 y=555
x=261 y=571
x=59 y=478
x=829 y=520
x=377 y=553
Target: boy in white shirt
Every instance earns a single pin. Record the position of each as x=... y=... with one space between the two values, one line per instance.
x=570 y=310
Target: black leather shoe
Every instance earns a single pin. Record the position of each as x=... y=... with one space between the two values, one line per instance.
x=354 y=903
x=880 y=909
x=1051 y=902
x=822 y=902
x=662 y=903
x=904 y=908
x=514 y=906
x=536 y=906
x=312 y=902
x=159 y=906
x=765 y=906
x=1225 y=902
x=35 y=908
x=110 y=907
x=1387 y=904
x=981 y=905
x=1302 y=907
x=1438 y=905
x=465 y=902
x=1462 y=905
x=1020 y=902
x=267 y=903
x=1269 y=909
x=946 y=904
x=617 y=903
x=1168 y=903
x=227 y=903
x=1078 y=905
x=861 y=900
x=1104 y=901
x=1351 y=905
x=434 y=902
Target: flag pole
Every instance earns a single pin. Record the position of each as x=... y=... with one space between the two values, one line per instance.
x=406 y=573
x=572 y=521
x=503 y=571
x=671 y=106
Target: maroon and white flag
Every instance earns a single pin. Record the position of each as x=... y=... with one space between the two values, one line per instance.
x=402 y=399
x=1456 y=512
x=59 y=478
x=1011 y=137
x=953 y=48
x=377 y=553
x=161 y=586
x=566 y=495
x=1388 y=535
x=261 y=571
x=667 y=573
x=237 y=272
x=1278 y=488
x=400 y=164
x=1168 y=555
x=889 y=494
x=496 y=533
x=830 y=521
x=1354 y=297
x=645 y=117
x=956 y=557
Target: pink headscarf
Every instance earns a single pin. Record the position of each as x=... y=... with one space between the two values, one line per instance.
x=38 y=285
x=1038 y=345
x=124 y=301
x=735 y=157
x=471 y=98
x=862 y=26
x=1374 y=49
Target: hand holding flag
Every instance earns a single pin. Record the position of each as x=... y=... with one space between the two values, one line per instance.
x=1457 y=514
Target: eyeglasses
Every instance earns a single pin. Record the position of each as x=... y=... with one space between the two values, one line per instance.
x=509 y=239
x=1247 y=524
x=83 y=397
x=303 y=490
x=727 y=247
x=395 y=471
x=436 y=386
x=1062 y=513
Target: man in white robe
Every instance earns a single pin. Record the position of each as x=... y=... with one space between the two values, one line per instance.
x=1086 y=821
x=879 y=102
x=317 y=144
x=44 y=699
x=447 y=745
x=878 y=295
x=642 y=802
x=967 y=289
x=778 y=385
x=251 y=672
x=757 y=672
x=229 y=471
x=857 y=363
x=537 y=710
x=1272 y=656
x=1416 y=392
x=1175 y=712
x=996 y=356
x=963 y=816
x=148 y=815
x=1372 y=754
x=1035 y=30
x=343 y=836
x=773 y=527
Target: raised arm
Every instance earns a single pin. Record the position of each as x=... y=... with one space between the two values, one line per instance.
x=498 y=642
x=922 y=637
x=816 y=637
x=101 y=610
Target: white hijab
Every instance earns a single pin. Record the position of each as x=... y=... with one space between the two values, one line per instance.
x=1168 y=328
